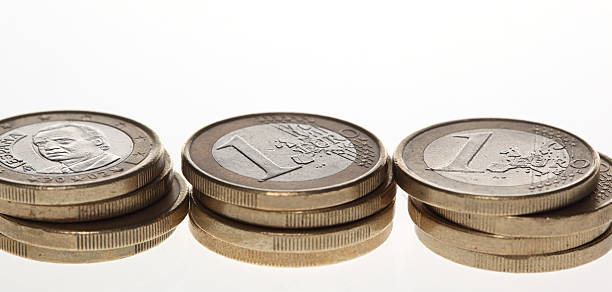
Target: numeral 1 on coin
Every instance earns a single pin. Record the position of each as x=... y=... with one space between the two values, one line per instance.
x=272 y=169
x=461 y=163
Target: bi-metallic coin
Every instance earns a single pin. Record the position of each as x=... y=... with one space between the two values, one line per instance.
x=284 y=161
x=496 y=167
x=72 y=157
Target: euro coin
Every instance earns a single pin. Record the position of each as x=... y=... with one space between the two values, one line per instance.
x=496 y=167
x=72 y=157
x=284 y=161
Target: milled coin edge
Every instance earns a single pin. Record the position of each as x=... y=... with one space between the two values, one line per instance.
x=520 y=264
x=464 y=238
x=102 y=239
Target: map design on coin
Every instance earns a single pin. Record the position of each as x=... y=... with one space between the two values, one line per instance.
x=498 y=157
x=63 y=147
x=284 y=152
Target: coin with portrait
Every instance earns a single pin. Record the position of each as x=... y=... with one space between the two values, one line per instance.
x=284 y=161
x=73 y=157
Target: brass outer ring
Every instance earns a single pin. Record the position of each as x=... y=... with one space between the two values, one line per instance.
x=521 y=264
x=97 y=210
x=349 y=212
x=268 y=258
x=44 y=254
x=132 y=229
x=596 y=211
x=289 y=240
x=274 y=200
x=103 y=189
x=488 y=205
x=468 y=239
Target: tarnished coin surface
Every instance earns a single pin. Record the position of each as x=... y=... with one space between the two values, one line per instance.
x=521 y=264
x=496 y=167
x=72 y=157
x=588 y=213
x=44 y=254
x=469 y=239
x=97 y=210
x=118 y=232
x=330 y=216
x=290 y=248
x=284 y=161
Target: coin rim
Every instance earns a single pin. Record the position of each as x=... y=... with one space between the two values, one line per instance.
x=464 y=238
x=50 y=255
x=246 y=235
x=60 y=214
x=533 y=225
x=465 y=202
x=521 y=264
x=289 y=260
x=385 y=193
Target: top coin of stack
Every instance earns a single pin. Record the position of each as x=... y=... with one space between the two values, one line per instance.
x=288 y=171
x=72 y=166
x=474 y=184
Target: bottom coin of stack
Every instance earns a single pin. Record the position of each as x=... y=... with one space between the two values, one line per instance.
x=294 y=238
x=548 y=241
x=101 y=240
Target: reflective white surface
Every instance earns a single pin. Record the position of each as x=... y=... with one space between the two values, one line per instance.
x=392 y=67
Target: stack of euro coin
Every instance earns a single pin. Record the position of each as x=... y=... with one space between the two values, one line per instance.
x=507 y=195
x=285 y=189
x=80 y=187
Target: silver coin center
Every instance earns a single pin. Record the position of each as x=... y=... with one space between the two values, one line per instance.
x=284 y=152
x=496 y=157
x=63 y=147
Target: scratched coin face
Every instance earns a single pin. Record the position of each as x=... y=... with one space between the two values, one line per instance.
x=293 y=154
x=495 y=157
x=70 y=152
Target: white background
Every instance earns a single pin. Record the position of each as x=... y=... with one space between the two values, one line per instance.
x=392 y=67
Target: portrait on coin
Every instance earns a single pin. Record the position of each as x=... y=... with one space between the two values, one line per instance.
x=75 y=147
